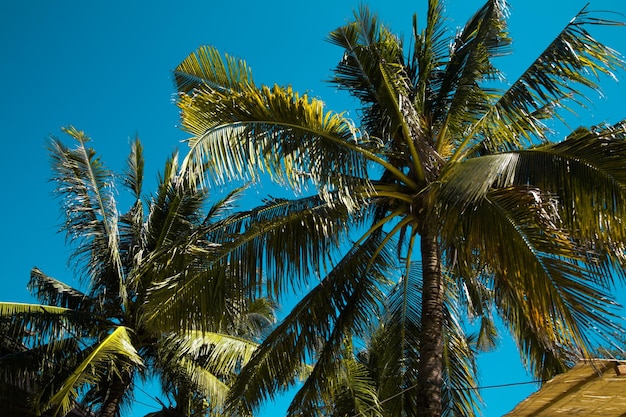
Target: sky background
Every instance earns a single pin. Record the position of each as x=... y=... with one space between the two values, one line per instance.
x=105 y=68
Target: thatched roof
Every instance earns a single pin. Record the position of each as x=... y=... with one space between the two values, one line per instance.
x=591 y=388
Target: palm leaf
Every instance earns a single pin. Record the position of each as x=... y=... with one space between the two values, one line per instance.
x=90 y=212
x=462 y=97
x=349 y=292
x=53 y=292
x=372 y=71
x=39 y=322
x=116 y=344
x=430 y=53
x=569 y=67
x=539 y=258
x=244 y=134
x=206 y=68
x=252 y=247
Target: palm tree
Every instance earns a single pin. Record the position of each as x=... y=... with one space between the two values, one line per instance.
x=138 y=317
x=448 y=165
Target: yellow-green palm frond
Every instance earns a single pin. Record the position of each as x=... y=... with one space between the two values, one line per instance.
x=102 y=355
x=243 y=136
x=36 y=323
x=204 y=362
x=205 y=68
x=218 y=352
x=204 y=382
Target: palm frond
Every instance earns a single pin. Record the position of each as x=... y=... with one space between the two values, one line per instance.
x=204 y=382
x=539 y=258
x=220 y=353
x=55 y=293
x=85 y=187
x=569 y=68
x=341 y=304
x=226 y=205
x=429 y=56
x=133 y=180
x=109 y=350
x=367 y=43
x=252 y=249
x=372 y=70
x=35 y=324
x=352 y=392
x=462 y=95
x=246 y=132
x=205 y=68
x=587 y=175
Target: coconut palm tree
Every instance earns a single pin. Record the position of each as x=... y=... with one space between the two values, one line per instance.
x=449 y=165
x=93 y=345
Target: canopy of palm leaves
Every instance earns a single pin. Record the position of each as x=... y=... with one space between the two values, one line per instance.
x=448 y=162
x=158 y=301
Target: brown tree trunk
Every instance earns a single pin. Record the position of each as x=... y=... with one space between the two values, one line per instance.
x=430 y=369
x=115 y=394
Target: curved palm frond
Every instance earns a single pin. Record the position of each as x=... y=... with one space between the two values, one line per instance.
x=39 y=322
x=587 y=175
x=354 y=392
x=539 y=258
x=243 y=136
x=90 y=212
x=206 y=68
x=350 y=294
x=115 y=345
x=566 y=70
x=227 y=204
x=462 y=92
x=251 y=244
x=56 y=293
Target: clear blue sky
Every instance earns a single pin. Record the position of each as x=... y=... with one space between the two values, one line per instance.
x=105 y=67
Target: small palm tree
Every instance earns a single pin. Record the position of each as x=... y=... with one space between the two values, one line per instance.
x=137 y=317
x=448 y=165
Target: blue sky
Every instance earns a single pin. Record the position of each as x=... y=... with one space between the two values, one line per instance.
x=105 y=67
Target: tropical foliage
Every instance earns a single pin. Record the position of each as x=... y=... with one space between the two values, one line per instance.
x=450 y=164
x=139 y=316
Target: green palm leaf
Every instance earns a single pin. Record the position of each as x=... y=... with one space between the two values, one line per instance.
x=568 y=68
x=315 y=329
x=115 y=345
x=206 y=68
x=90 y=211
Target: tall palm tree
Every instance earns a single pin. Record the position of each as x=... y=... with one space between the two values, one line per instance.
x=138 y=316
x=449 y=165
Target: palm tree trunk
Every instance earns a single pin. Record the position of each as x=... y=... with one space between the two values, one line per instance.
x=115 y=394
x=430 y=369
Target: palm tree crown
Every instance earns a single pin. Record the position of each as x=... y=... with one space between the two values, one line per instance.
x=446 y=163
x=139 y=316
